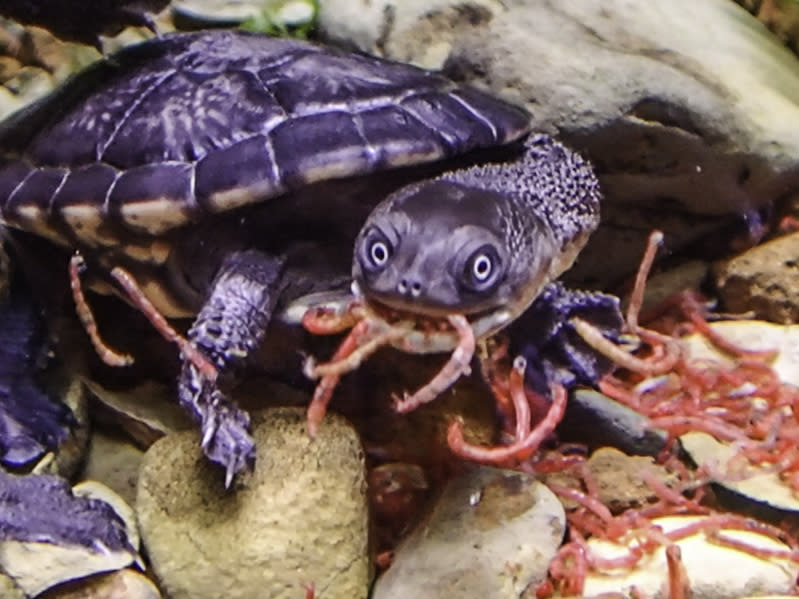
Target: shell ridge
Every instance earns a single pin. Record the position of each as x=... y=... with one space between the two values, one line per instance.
x=476 y=114
x=271 y=95
x=448 y=140
x=20 y=185
x=372 y=155
x=105 y=210
x=51 y=201
x=191 y=201
x=270 y=150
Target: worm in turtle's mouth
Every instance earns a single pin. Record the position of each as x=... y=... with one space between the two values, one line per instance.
x=434 y=322
x=484 y=322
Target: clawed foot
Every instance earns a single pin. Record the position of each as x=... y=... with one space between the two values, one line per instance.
x=225 y=428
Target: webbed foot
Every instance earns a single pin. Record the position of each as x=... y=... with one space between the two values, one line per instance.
x=554 y=350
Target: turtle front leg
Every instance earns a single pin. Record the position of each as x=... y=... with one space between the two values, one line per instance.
x=228 y=328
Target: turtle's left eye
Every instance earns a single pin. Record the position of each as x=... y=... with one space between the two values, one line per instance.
x=481 y=269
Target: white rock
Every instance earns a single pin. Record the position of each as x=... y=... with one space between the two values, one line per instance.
x=714 y=571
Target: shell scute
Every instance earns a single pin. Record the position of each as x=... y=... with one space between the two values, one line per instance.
x=154 y=198
x=28 y=206
x=318 y=82
x=397 y=138
x=81 y=137
x=451 y=120
x=339 y=149
x=86 y=185
x=231 y=177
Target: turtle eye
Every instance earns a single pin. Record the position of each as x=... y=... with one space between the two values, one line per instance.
x=376 y=250
x=481 y=269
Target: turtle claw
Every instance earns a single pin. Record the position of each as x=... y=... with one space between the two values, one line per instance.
x=234 y=450
x=225 y=428
x=227 y=441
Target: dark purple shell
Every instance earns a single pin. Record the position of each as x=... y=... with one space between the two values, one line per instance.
x=175 y=129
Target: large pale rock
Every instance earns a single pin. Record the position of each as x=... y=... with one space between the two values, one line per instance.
x=299 y=519
x=688 y=109
x=491 y=534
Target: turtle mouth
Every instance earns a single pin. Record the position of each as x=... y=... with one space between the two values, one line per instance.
x=483 y=322
x=413 y=308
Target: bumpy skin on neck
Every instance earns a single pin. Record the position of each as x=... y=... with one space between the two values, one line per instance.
x=480 y=239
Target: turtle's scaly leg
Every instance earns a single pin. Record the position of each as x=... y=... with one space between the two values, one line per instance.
x=457 y=365
x=84 y=312
x=228 y=328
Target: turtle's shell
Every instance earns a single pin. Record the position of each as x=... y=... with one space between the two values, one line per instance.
x=180 y=129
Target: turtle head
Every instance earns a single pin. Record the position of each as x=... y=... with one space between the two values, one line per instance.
x=442 y=247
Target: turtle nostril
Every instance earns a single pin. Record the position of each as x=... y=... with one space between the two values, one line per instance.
x=406 y=287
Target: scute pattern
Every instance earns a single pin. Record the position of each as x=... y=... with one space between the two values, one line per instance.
x=206 y=122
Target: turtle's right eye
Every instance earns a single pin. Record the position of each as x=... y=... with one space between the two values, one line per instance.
x=376 y=250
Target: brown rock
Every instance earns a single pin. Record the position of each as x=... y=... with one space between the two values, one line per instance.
x=763 y=280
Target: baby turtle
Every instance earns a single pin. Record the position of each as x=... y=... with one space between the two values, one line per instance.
x=230 y=173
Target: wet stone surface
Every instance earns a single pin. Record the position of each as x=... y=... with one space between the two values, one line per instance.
x=490 y=534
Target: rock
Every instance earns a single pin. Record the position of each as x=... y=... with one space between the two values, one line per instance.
x=491 y=534
x=145 y=412
x=618 y=478
x=759 y=483
x=781 y=17
x=596 y=420
x=714 y=571
x=267 y=16
x=662 y=96
x=115 y=463
x=763 y=280
x=666 y=284
x=755 y=336
x=123 y=584
x=50 y=534
x=9 y=590
x=299 y=519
